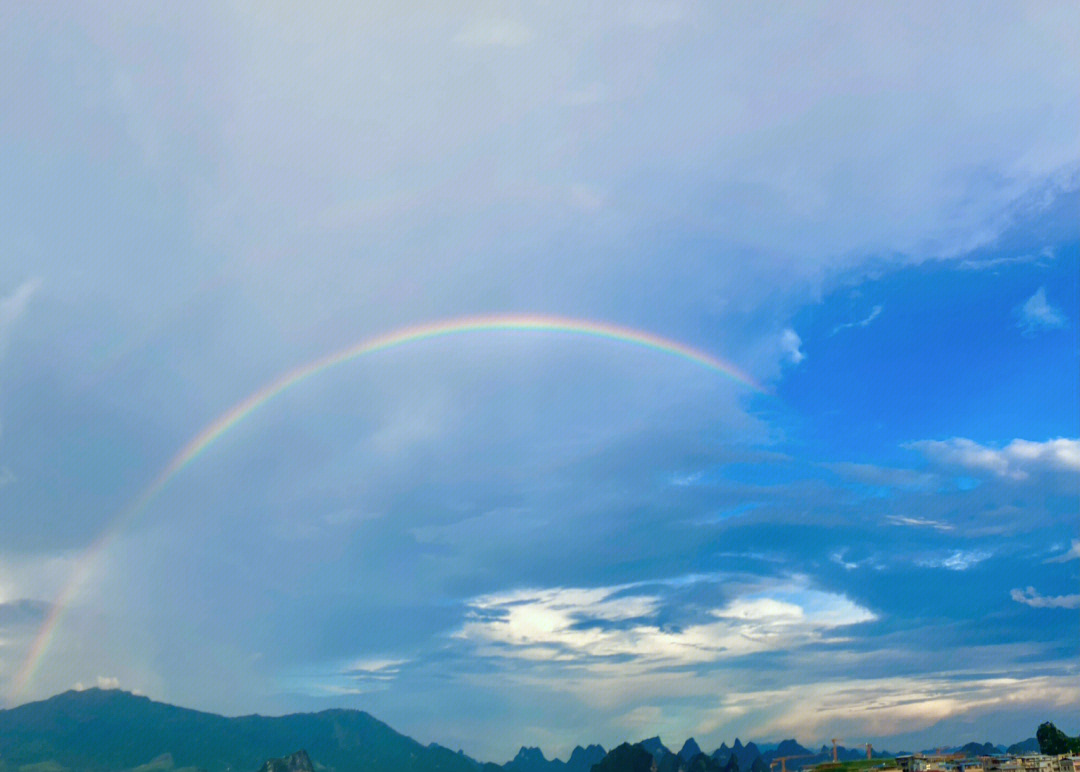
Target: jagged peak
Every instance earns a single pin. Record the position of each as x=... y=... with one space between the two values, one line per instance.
x=294 y=762
x=529 y=754
x=689 y=750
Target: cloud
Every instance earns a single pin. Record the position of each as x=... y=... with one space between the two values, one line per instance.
x=883 y=476
x=990 y=263
x=789 y=345
x=1018 y=460
x=1037 y=314
x=1073 y=553
x=101 y=682
x=374 y=669
x=1032 y=598
x=610 y=628
x=878 y=706
x=959 y=560
x=917 y=522
x=494 y=33
x=874 y=313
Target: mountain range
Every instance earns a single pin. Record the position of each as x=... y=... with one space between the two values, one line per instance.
x=108 y=730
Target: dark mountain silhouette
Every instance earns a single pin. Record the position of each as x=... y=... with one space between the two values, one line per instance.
x=114 y=731
x=627 y=758
x=977 y=749
x=295 y=762
x=105 y=730
x=699 y=762
x=582 y=759
x=689 y=750
x=1030 y=745
x=531 y=760
x=787 y=748
x=655 y=747
x=670 y=763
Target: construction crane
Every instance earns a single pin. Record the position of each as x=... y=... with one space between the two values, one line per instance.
x=783 y=760
x=868 y=746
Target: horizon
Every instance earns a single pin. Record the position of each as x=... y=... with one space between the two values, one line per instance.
x=518 y=372
x=763 y=745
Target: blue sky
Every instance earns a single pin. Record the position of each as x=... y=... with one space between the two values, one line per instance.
x=532 y=538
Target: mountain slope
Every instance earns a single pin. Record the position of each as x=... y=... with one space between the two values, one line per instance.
x=101 y=730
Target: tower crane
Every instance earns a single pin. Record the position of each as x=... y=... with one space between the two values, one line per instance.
x=783 y=760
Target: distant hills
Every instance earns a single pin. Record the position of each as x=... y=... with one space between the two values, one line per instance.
x=100 y=730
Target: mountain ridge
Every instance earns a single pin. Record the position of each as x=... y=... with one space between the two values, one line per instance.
x=105 y=730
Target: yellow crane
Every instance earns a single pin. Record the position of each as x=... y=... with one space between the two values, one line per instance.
x=783 y=760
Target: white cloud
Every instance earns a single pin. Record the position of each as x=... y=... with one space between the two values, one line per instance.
x=494 y=33
x=1032 y=598
x=1073 y=553
x=880 y=706
x=789 y=345
x=874 y=313
x=101 y=682
x=959 y=560
x=917 y=522
x=1017 y=460
x=1037 y=314
x=373 y=669
x=586 y=626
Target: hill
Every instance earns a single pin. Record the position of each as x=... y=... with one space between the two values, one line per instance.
x=106 y=730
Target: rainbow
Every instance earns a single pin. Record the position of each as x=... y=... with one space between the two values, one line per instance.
x=213 y=431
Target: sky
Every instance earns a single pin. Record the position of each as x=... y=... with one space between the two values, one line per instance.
x=508 y=537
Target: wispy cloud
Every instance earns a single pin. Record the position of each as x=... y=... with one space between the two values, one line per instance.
x=990 y=263
x=958 y=560
x=1031 y=597
x=1017 y=460
x=1073 y=553
x=1037 y=314
x=917 y=522
x=878 y=706
x=874 y=313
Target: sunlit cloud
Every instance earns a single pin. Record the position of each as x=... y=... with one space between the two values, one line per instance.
x=609 y=625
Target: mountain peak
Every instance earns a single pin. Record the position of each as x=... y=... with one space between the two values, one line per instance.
x=529 y=754
x=295 y=762
x=584 y=758
x=792 y=748
x=689 y=750
x=655 y=746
